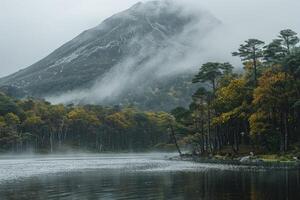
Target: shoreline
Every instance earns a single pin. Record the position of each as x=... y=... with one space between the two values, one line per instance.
x=242 y=161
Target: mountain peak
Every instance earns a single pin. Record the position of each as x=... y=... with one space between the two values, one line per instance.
x=150 y=8
x=106 y=64
x=153 y=4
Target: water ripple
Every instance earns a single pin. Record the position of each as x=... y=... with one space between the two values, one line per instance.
x=18 y=167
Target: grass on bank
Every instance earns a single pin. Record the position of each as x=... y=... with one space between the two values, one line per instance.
x=227 y=153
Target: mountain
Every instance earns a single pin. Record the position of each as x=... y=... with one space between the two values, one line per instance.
x=139 y=56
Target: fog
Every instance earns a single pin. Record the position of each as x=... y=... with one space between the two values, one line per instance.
x=36 y=28
x=202 y=41
x=32 y=29
x=25 y=166
x=180 y=54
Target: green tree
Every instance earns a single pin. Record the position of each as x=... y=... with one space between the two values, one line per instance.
x=212 y=72
x=289 y=38
x=274 y=52
x=232 y=102
x=273 y=97
x=251 y=51
x=8 y=105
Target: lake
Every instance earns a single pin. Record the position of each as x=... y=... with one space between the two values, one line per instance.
x=138 y=176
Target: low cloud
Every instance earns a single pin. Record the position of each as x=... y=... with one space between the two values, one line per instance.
x=202 y=41
x=199 y=43
x=180 y=54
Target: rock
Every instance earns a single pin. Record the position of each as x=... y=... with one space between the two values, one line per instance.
x=295 y=158
x=245 y=159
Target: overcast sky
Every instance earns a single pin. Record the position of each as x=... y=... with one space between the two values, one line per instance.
x=31 y=29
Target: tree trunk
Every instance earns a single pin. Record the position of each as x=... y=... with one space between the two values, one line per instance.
x=282 y=140
x=51 y=142
x=175 y=140
x=202 y=134
x=286 y=131
x=209 y=130
x=255 y=70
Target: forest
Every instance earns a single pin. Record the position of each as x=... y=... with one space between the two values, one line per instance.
x=257 y=109
x=38 y=126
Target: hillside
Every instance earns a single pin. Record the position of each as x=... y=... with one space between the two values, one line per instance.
x=130 y=58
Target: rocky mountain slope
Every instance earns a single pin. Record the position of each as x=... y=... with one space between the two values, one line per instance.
x=135 y=57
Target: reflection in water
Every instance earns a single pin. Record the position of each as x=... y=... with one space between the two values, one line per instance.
x=209 y=183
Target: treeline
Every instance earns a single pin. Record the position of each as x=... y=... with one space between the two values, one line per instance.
x=259 y=108
x=41 y=127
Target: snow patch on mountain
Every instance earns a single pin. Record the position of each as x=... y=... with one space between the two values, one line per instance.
x=128 y=54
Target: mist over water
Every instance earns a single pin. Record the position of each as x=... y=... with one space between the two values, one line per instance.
x=210 y=37
x=138 y=176
x=31 y=165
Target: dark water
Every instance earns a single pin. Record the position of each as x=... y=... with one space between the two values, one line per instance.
x=139 y=177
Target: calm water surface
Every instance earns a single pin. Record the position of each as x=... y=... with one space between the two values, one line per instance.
x=138 y=176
